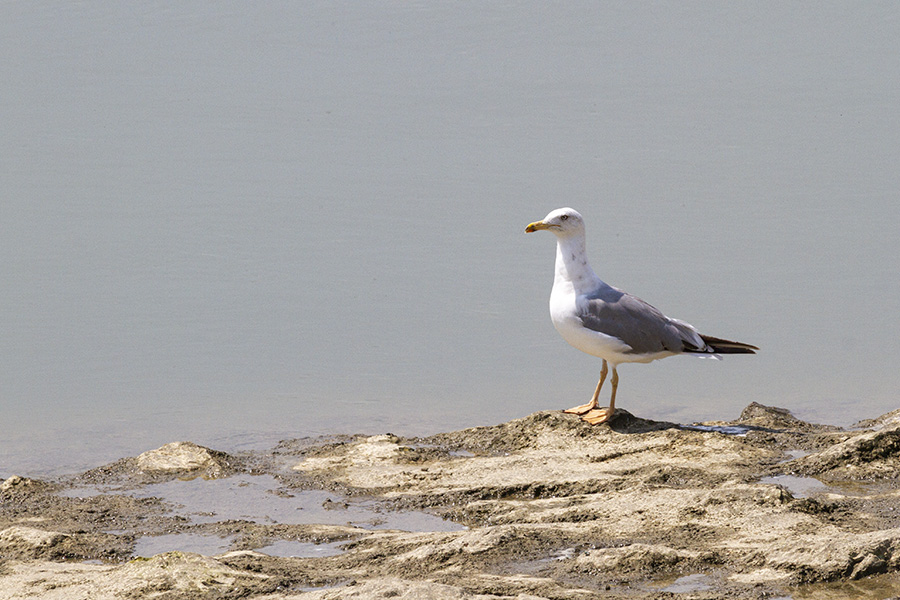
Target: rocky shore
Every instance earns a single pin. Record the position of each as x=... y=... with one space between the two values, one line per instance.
x=766 y=506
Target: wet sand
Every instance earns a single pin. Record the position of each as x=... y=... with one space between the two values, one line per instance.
x=766 y=506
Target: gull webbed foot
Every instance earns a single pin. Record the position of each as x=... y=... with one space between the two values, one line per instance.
x=599 y=415
x=581 y=409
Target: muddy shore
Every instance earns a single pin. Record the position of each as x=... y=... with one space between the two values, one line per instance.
x=766 y=506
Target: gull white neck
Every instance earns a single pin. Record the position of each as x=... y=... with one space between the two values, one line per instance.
x=572 y=266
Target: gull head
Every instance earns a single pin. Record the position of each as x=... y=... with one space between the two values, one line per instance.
x=562 y=222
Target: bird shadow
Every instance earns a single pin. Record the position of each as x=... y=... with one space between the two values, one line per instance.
x=625 y=422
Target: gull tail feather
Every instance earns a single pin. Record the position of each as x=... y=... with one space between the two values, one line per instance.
x=720 y=346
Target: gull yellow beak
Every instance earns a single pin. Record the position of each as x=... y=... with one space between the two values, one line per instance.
x=537 y=225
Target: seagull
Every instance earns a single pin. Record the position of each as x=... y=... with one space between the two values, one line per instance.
x=606 y=322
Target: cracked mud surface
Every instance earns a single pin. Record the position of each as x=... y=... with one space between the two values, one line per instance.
x=540 y=507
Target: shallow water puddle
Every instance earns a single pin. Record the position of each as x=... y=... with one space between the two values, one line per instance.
x=799 y=487
x=877 y=587
x=208 y=545
x=261 y=499
x=795 y=454
x=242 y=497
x=687 y=584
x=211 y=545
x=292 y=549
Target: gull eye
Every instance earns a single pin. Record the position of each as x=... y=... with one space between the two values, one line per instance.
x=564 y=218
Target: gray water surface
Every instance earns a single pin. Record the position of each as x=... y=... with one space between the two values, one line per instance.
x=236 y=222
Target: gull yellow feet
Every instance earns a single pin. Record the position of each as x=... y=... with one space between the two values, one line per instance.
x=594 y=403
x=590 y=412
x=582 y=409
x=599 y=415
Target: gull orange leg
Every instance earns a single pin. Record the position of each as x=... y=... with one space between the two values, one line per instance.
x=602 y=415
x=592 y=405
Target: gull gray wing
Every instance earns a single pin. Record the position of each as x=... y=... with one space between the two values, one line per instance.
x=638 y=324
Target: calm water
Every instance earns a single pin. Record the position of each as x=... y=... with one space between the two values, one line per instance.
x=238 y=222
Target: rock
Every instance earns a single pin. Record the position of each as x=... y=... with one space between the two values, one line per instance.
x=760 y=576
x=842 y=554
x=28 y=541
x=24 y=542
x=891 y=418
x=393 y=588
x=17 y=484
x=759 y=415
x=863 y=455
x=635 y=557
x=171 y=575
x=181 y=460
x=378 y=448
x=187 y=573
x=184 y=457
x=443 y=547
x=373 y=454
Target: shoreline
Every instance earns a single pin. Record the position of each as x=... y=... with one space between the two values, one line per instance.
x=546 y=506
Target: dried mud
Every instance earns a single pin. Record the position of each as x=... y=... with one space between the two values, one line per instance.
x=541 y=507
